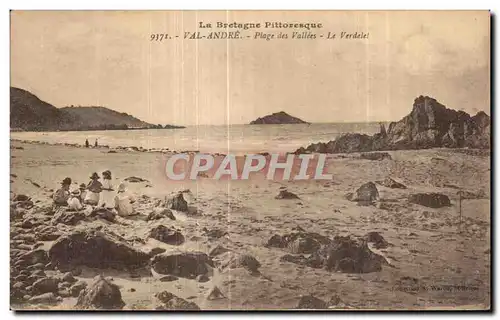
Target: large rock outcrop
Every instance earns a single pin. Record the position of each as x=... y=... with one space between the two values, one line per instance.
x=429 y=125
x=96 y=249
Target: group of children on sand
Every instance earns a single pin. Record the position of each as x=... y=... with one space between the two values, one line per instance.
x=96 y=194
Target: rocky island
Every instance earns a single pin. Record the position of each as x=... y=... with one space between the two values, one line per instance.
x=278 y=118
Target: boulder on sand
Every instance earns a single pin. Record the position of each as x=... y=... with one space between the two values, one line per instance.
x=367 y=193
x=183 y=264
x=169 y=301
x=285 y=194
x=95 y=249
x=350 y=256
x=311 y=302
x=178 y=203
x=431 y=200
x=160 y=213
x=377 y=239
x=166 y=235
x=101 y=294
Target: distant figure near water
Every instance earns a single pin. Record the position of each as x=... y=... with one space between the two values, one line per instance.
x=95 y=144
x=87 y=144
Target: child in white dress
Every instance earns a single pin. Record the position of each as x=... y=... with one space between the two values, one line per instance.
x=107 y=199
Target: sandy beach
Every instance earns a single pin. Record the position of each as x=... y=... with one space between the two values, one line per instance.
x=430 y=260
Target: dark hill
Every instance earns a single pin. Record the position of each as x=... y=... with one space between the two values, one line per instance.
x=29 y=113
x=278 y=118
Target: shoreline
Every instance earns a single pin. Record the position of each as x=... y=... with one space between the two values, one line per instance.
x=167 y=151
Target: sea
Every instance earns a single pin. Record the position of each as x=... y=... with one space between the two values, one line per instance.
x=235 y=139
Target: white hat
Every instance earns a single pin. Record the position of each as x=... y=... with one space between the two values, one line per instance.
x=122 y=187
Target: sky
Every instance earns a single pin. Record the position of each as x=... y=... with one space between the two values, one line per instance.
x=106 y=58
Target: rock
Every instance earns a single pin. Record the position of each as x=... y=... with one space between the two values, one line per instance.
x=46 y=298
x=104 y=213
x=76 y=288
x=246 y=261
x=184 y=264
x=377 y=239
x=391 y=183
x=431 y=200
x=101 y=294
x=64 y=293
x=168 y=278
x=169 y=301
x=33 y=257
x=278 y=118
x=166 y=235
x=304 y=245
x=284 y=194
x=350 y=256
x=214 y=233
x=217 y=251
x=156 y=250
x=95 y=249
x=367 y=193
x=429 y=125
x=202 y=278
x=17 y=214
x=375 y=156
x=135 y=179
x=178 y=203
x=67 y=217
x=215 y=294
x=298 y=241
x=21 y=197
x=68 y=277
x=160 y=213
x=45 y=285
x=311 y=302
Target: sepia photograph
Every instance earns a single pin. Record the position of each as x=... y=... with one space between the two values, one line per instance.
x=250 y=160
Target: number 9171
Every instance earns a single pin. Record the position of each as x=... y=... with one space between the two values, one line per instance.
x=159 y=36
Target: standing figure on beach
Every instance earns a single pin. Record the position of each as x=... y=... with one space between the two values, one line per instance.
x=87 y=144
x=95 y=144
x=94 y=189
x=123 y=201
x=61 y=196
x=108 y=196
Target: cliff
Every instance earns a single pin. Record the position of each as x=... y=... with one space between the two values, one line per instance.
x=429 y=125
